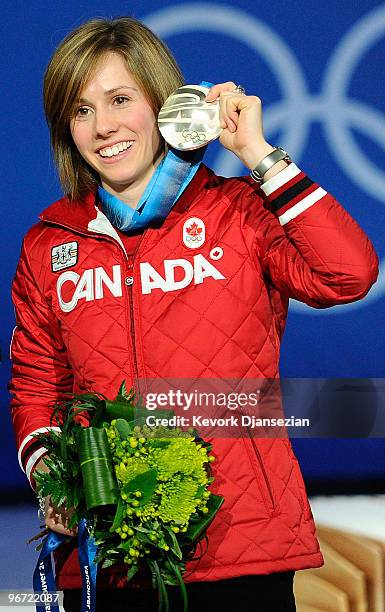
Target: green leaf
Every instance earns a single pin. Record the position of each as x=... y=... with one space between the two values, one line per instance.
x=77 y=495
x=83 y=397
x=49 y=463
x=123 y=428
x=124 y=546
x=97 y=468
x=99 y=414
x=119 y=514
x=132 y=571
x=143 y=529
x=122 y=393
x=120 y=410
x=60 y=500
x=143 y=537
x=158 y=583
x=197 y=529
x=107 y=563
x=182 y=587
x=200 y=490
x=160 y=443
x=145 y=482
x=102 y=537
x=173 y=543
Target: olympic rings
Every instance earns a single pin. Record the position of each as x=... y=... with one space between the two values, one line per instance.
x=194 y=136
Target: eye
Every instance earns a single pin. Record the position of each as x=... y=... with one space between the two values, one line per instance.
x=81 y=112
x=120 y=100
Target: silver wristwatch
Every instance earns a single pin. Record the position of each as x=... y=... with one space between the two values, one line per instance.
x=268 y=162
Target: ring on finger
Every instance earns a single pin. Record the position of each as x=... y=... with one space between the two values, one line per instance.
x=239 y=90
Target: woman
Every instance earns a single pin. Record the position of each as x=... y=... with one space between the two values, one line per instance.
x=100 y=298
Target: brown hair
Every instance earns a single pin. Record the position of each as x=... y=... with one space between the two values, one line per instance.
x=73 y=64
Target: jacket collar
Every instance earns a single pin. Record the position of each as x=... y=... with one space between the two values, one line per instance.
x=74 y=215
x=79 y=214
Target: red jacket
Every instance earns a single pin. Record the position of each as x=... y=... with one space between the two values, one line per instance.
x=203 y=296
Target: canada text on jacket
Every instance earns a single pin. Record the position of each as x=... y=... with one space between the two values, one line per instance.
x=94 y=281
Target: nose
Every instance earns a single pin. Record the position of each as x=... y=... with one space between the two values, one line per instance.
x=105 y=123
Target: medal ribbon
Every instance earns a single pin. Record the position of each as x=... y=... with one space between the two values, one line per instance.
x=168 y=182
x=43 y=578
x=88 y=569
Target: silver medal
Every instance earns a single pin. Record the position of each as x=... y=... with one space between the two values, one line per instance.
x=186 y=121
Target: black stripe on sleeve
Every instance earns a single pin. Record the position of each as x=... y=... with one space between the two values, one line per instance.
x=29 y=450
x=291 y=193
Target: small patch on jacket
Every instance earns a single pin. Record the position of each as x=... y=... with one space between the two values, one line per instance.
x=64 y=256
x=194 y=233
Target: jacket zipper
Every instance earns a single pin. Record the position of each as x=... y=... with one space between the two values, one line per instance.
x=130 y=269
x=263 y=471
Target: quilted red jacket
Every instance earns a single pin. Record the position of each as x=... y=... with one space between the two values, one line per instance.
x=183 y=307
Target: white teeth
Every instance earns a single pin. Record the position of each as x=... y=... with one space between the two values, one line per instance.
x=116 y=149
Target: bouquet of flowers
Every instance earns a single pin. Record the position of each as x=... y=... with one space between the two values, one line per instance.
x=143 y=491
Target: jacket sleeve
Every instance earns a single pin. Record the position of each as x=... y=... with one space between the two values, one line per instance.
x=316 y=252
x=41 y=374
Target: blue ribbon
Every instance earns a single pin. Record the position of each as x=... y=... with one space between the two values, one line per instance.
x=43 y=578
x=168 y=182
x=88 y=569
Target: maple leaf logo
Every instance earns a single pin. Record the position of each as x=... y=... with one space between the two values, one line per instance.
x=194 y=230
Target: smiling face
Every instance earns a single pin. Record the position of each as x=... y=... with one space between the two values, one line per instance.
x=115 y=131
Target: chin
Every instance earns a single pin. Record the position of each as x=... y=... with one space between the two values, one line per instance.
x=116 y=182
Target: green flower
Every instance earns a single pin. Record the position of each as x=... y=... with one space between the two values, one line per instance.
x=180 y=456
x=178 y=500
x=133 y=467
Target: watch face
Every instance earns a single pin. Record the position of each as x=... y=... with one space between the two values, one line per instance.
x=186 y=121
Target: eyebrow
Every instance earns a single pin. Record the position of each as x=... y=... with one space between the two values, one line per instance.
x=111 y=91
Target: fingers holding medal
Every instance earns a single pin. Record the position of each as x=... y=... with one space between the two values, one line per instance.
x=222 y=92
x=241 y=122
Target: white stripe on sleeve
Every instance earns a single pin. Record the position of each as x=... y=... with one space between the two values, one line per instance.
x=302 y=205
x=279 y=179
x=30 y=437
x=34 y=458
